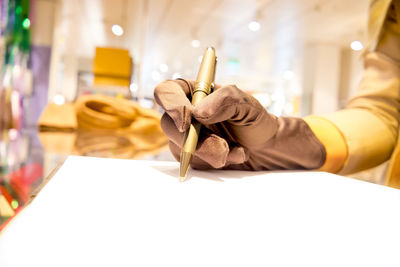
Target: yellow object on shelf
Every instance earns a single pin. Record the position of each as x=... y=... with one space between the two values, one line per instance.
x=112 y=66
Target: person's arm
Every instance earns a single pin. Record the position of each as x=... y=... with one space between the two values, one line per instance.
x=364 y=134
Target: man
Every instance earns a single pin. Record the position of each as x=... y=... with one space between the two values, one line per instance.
x=240 y=134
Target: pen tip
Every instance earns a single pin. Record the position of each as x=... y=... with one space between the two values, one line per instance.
x=184 y=166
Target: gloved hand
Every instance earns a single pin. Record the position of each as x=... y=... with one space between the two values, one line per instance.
x=237 y=132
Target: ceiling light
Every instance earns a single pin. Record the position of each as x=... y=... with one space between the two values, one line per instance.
x=117 y=30
x=254 y=26
x=195 y=43
x=163 y=67
x=176 y=75
x=155 y=75
x=356 y=45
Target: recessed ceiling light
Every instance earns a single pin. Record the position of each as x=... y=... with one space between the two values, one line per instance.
x=163 y=67
x=356 y=45
x=117 y=30
x=254 y=26
x=195 y=43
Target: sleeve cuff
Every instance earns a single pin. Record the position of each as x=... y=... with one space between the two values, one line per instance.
x=333 y=141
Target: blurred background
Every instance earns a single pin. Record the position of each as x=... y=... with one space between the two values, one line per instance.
x=66 y=63
x=297 y=56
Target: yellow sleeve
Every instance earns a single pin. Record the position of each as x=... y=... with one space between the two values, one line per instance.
x=354 y=140
x=368 y=139
x=368 y=125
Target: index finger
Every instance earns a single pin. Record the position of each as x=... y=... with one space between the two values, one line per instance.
x=172 y=96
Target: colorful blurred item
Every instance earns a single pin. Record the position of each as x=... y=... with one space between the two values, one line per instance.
x=102 y=126
x=5 y=110
x=112 y=69
x=14 y=48
x=16 y=189
x=22 y=180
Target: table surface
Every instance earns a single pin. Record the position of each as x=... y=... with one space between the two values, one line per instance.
x=135 y=213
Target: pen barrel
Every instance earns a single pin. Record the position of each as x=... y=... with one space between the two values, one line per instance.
x=206 y=72
x=191 y=137
x=203 y=87
x=193 y=133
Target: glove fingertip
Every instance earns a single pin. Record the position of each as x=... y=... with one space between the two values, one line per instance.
x=237 y=155
x=214 y=150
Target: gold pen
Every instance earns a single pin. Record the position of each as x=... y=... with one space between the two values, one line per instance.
x=203 y=86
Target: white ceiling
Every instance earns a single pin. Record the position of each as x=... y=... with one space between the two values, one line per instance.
x=160 y=31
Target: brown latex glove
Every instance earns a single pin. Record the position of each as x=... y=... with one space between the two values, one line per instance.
x=239 y=133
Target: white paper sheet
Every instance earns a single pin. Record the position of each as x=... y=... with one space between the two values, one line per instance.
x=107 y=212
